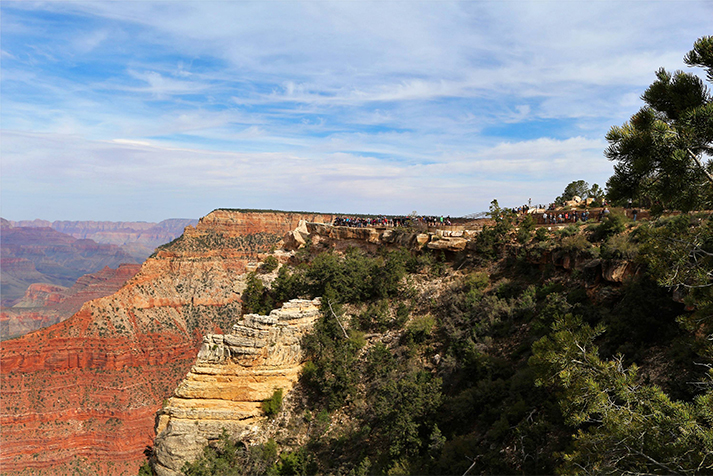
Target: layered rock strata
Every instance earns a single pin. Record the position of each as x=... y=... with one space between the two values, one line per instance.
x=372 y=238
x=462 y=240
x=136 y=238
x=81 y=396
x=43 y=255
x=232 y=375
x=46 y=304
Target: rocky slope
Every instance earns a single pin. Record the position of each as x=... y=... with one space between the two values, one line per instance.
x=47 y=304
x=233 y=374
x=469 y=323
x=80 y=396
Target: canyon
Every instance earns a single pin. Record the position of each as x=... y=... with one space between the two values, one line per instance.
x=81 y=396
x=234 y=372
x=44 y=255
x=137 y=239
x=59 y=260
x=46 y=304
x=89 y=394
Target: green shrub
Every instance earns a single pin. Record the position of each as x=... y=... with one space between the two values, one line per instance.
x=146 y=470
x=298 y=462
x=273 y=405
x=270 y=264
x=226 y=457
x=476 y=281
x=541 y=234
x=569 y=230
x=402 y=315
x=356 y=277
x=256 y=299
x=576 y=243
x=524 y=232
x=612 y=225
x=290 y=285
x=419 y=262
x=331 y=373
x=619 y=247
x=489 y=242
x=402 y=409
x=376 y=317
x=421 y=328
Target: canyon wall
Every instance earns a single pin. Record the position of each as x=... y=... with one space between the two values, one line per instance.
x=235 y=372
x=232 y=375
x=43 y=255
x=80 y=397
x=47 y=304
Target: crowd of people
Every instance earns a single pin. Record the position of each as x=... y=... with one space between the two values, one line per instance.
x=553 y=218
x=550 y=216
x=362 y=222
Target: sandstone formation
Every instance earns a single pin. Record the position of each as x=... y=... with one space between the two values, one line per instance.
x=47 y=304
x=448 y=243
x=617 y=271
x=233 y=374
x=80 y=396
x=342 y=237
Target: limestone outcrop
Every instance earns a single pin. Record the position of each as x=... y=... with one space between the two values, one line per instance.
x=342 y=237
x=232 y=375
x=617 y=271
x=463 y=240
x=448 y=244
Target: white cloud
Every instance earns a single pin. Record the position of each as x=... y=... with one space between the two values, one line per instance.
x=196 y=179
x=276 y=100
x=86 y=43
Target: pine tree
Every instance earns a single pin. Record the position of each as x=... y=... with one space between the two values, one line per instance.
x=663 y=153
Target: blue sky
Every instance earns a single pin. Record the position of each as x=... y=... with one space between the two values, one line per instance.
x=140 y=110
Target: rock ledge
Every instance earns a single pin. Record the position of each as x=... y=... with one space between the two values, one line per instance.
x=232 y=375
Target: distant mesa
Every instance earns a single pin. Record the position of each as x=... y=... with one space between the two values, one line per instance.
x=41 y=262
x=137 y=239
x=44 y=255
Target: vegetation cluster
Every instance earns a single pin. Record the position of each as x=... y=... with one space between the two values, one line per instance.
x=430 y=364
x=518 y=356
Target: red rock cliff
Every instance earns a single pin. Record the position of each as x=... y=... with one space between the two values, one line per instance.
x=81 y=396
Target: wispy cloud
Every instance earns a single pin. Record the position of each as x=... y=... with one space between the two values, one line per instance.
x=129 y=168
x=288 y=104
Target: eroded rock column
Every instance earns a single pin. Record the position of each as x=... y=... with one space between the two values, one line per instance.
x=233 y=374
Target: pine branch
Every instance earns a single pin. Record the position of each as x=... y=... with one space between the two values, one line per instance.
x=700 y=164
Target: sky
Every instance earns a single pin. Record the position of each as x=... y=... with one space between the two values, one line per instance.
x=142 y=111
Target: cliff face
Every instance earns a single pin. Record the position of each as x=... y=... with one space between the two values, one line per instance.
x=82 y=394
x=233 y=374
x=47 y=304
